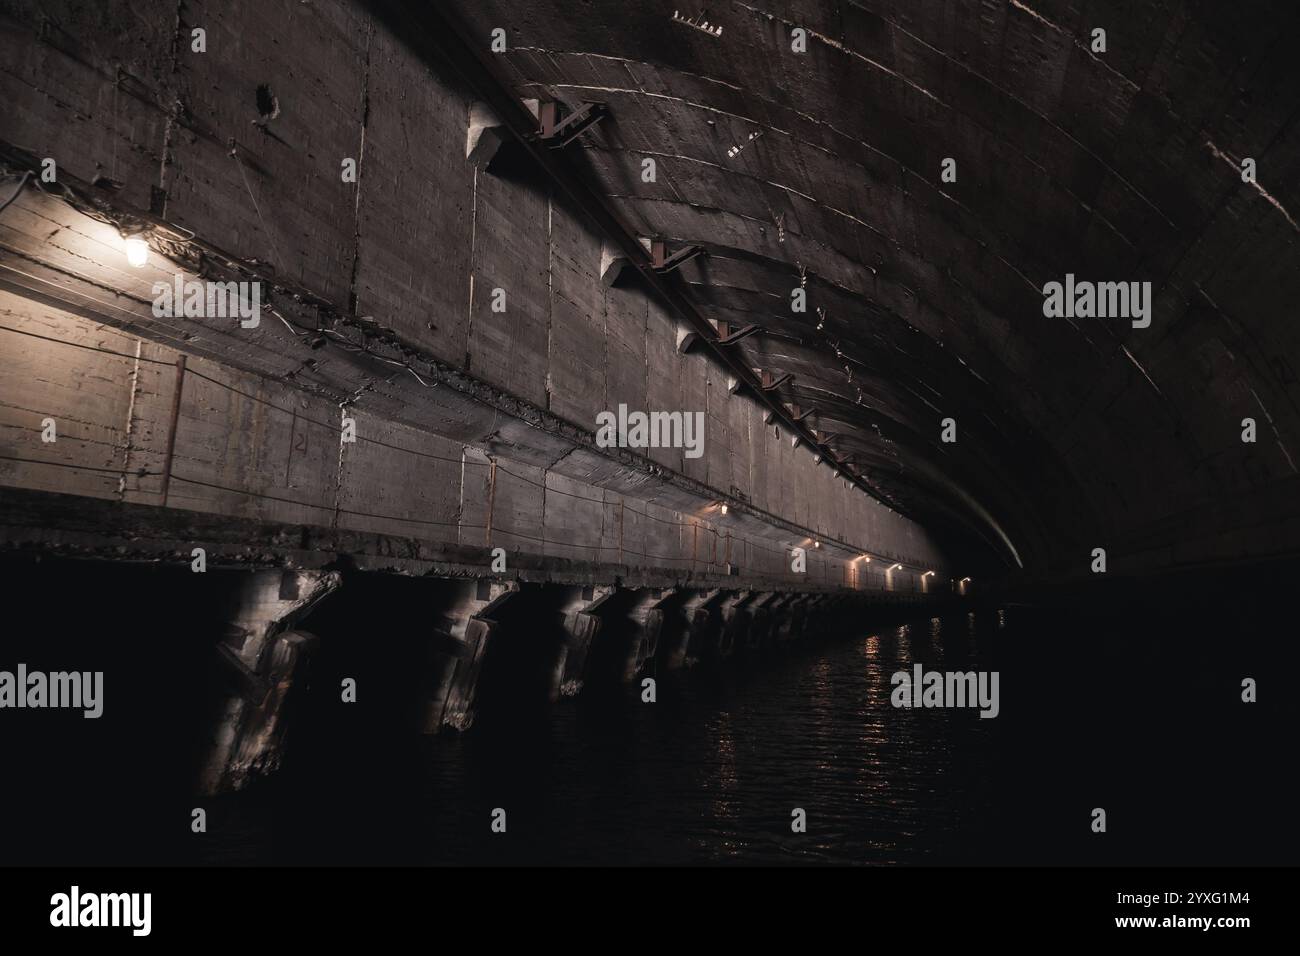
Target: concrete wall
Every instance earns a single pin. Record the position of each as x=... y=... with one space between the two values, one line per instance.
x=251 y=448
x=1122 y=166
x=416 y=246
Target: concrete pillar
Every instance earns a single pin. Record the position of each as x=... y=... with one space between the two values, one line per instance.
x=735 y=623
x=266 y=664
x=668 y=620
x=759 y=614
x=647 y=618
x=787 y=619
x=629 y=632
x=580 y=625
x=816 y=616
x=704 y=625
x=702 y=613
x=457 y=652
x=789 y=627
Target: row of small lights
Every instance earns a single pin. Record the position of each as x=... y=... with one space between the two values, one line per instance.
x=722 y=508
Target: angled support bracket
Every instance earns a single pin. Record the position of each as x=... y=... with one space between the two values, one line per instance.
x=663 y=263
x=558 y=134
x=728 y=336
x=799 y=415
x=769 y=384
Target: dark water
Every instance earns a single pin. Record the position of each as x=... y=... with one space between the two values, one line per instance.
x=710 y=772
x=1136 y=711
x=1131 y=706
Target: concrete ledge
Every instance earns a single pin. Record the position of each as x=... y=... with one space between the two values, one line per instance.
x=40 y=522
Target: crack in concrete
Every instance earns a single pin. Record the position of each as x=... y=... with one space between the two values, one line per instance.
x=361 y=158
x=1277 y=435
x=1047 y=175
x=1072 y=38
x=1138 y=366
x=1236 y=164
x=1007 y=93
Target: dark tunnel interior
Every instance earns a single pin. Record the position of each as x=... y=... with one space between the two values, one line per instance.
x=608 y=416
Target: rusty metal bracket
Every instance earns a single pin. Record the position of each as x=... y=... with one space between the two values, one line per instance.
x=731 y=338
x=561 y=134
x=664 y=264
x=437 y=35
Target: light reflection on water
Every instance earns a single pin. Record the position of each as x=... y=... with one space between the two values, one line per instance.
x=709 y=773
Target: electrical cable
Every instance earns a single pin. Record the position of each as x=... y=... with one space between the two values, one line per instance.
x=21 y=183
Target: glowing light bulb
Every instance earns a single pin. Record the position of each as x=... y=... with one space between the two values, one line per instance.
x=724 y=509
x=137 y=251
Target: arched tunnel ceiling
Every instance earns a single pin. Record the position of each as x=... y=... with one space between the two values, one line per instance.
x=925 y=301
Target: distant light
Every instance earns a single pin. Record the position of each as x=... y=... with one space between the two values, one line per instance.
x=817 y=544
x=137 y=251
x=964 y=580
x=927 y=574
x=895 y=567
x=724 y=509
x=866 y=558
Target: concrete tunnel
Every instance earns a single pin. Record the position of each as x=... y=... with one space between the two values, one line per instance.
x=581 y=345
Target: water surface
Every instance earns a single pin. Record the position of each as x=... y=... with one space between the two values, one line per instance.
x=711 y=772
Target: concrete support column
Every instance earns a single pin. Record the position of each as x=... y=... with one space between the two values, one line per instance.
x=255 y=732
x=629 y=632
x=266 y=664
x=647 y=619
x=703 y=613
x=816 y=616
x=759 y=613
x=580 y=625
x=794 y=617
x=457 y=652
x=735 y=623
x=668 y=620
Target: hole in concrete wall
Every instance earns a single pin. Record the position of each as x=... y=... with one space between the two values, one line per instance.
x=268 y=107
